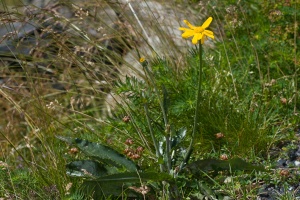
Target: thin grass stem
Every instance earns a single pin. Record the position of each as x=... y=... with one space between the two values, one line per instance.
x=137 y=19
x=295 y=60
x=226 y=54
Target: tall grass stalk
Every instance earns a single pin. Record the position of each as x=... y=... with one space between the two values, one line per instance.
x=226 y=52
x=296 y=67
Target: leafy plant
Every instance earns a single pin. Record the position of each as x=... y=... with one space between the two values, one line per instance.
x=59 y=63
x=110 y=173
x=152 y=98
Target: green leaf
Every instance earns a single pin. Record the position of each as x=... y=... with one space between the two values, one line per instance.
x=84 y=168
x=102 y=190
x=101 y=153
x=106 y=191
x=235 y=164
x=115 y=184
x=134 y=177
x=178 y=138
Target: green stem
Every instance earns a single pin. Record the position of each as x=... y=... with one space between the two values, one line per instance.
x=168 y=148
x=152 y=136
x=197 y=113
x=167 y=136
x=199 y=92
x=157 y=93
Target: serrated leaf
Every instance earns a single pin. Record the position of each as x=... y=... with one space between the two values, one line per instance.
x=101 y=153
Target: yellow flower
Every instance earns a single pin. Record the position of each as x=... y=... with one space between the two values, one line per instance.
x=142 y=59
x=198 y=32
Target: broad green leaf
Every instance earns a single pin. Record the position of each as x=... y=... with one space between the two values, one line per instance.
x=115 y=184
x=101 y=153
x=221 y=165
x=85 y=168
x=134 y=177
x=105 y=191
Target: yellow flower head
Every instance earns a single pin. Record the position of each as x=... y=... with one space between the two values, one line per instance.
x=142 y=59
x=198 y=32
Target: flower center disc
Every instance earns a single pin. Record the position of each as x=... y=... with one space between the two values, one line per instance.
x=199 y=30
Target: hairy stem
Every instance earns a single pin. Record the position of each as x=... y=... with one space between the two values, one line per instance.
x=197 y=113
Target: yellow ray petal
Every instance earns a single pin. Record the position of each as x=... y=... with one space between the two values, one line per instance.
x=189 y=24
x=203 y=39
x=207 y=22
x=188 y=33
x=196 y=38
x=209 y=34
x=183 y=29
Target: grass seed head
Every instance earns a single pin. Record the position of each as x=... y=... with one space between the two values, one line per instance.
x=126 y=119
x=219 y=135
x=224 y=157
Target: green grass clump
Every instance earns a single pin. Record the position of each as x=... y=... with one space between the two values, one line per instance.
x=21 y=184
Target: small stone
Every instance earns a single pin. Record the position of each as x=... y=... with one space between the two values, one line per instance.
x=292 y=154
x=298 y=152
x=281 y=163
x=228 y=180
x=297 y=163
